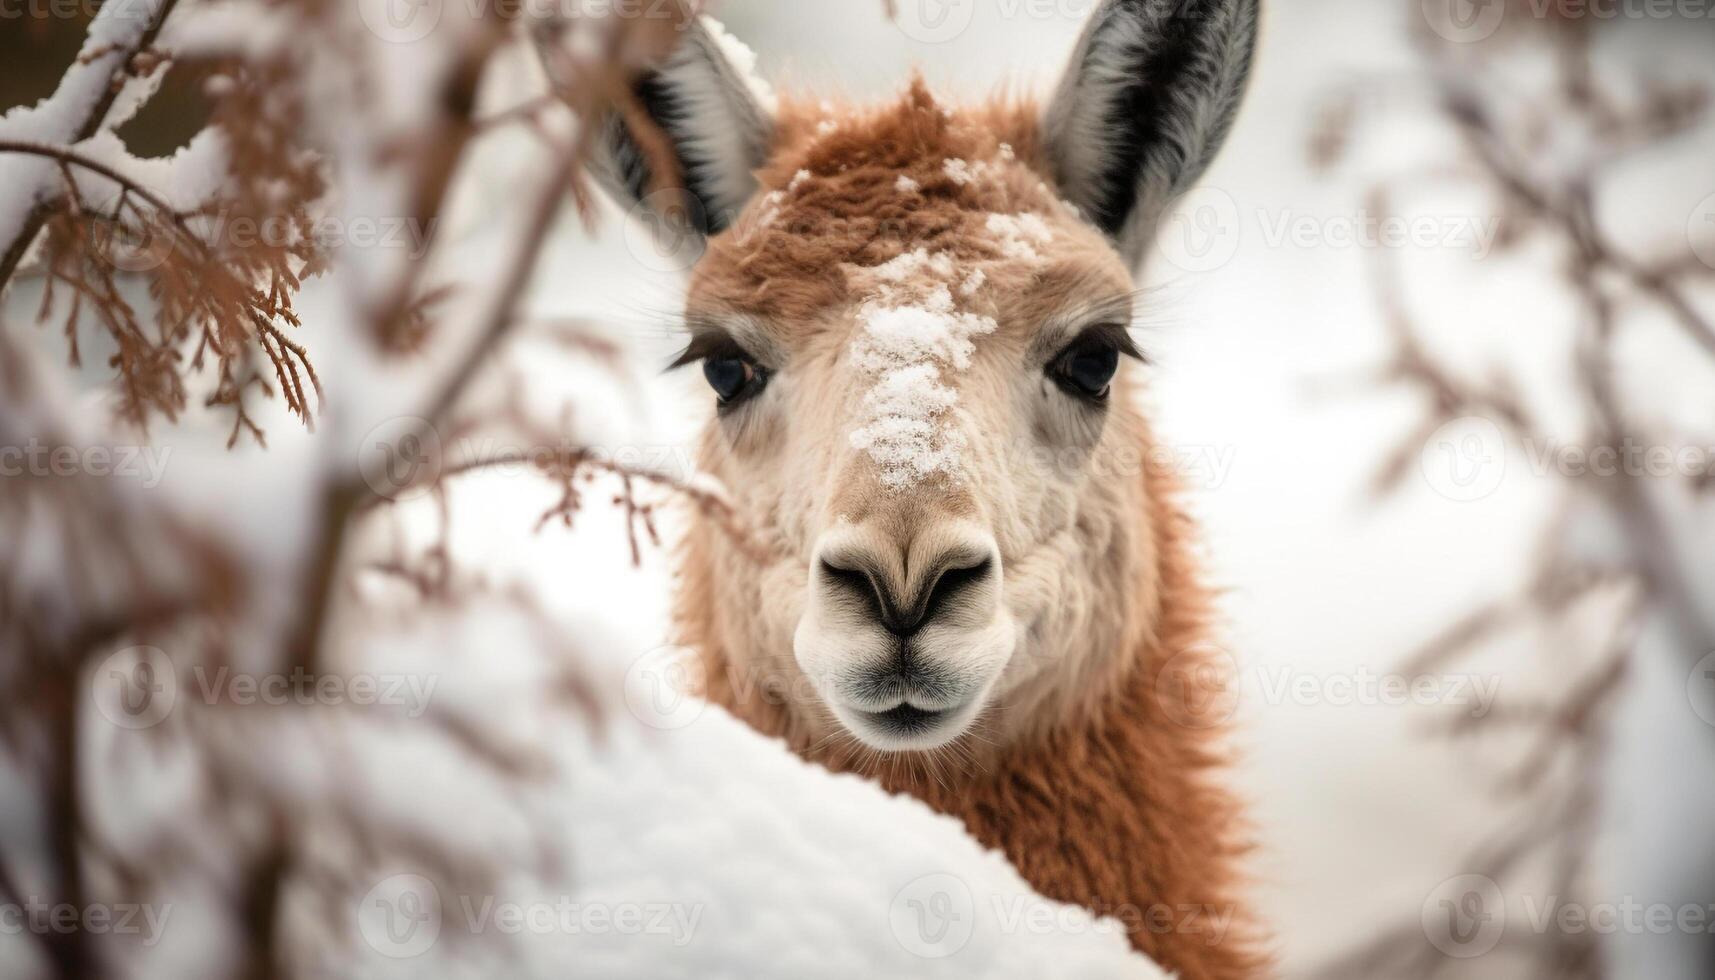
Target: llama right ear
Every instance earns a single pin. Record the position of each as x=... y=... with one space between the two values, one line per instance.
x=1148 y=99
x=716 y=117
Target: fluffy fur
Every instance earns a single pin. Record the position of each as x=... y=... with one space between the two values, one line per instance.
x=1084 y=769
x=1086 y=753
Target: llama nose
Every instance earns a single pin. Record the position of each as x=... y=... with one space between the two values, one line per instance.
x=900 y=601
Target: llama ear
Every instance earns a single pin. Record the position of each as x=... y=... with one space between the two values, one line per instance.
x=716 y=117
x=1150 y=94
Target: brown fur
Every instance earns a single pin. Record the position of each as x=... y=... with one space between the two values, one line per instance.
x=1111 y=799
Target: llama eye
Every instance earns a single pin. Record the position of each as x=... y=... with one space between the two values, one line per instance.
x=733 y=377
x=1086 y=369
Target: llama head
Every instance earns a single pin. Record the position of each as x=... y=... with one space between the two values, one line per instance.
x=914 y=322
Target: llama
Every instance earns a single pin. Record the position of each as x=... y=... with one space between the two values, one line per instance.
x=914 y=321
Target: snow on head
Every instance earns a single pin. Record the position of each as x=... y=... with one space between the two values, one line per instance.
x=1019 y=234
x=960 y=171
x=743 y=60
x=912 y=335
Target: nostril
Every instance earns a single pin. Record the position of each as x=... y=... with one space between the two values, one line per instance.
x=854 y=577
x=954 y=580
x=859 y=582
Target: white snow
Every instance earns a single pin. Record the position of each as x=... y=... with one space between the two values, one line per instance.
x=58 y=119
x=744 y=61
x=911 y=333
x=1019 y=234
x=961 y=171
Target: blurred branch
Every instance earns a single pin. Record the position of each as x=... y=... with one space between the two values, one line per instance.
x=100 y=71
x=1555 y=781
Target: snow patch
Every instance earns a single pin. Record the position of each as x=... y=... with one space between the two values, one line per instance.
x=1019 y=234
x=912 y=334
x=744 y=60
x=973 y=282
x=961 y=172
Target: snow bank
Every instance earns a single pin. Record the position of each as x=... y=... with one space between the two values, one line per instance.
x=799 y=872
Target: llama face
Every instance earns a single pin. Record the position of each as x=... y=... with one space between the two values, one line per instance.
x=913 y=324
x=918 y=418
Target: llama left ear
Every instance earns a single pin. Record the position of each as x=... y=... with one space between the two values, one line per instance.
x=715 y=115
x=1147 y=101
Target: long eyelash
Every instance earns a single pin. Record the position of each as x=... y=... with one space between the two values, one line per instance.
x=706 y=343
x=1114 y=335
